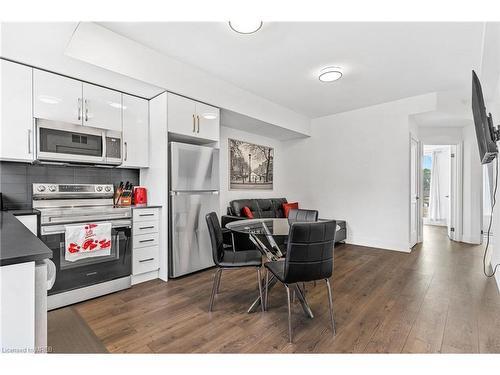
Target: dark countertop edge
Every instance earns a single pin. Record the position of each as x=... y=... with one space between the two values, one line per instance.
x=18 y=244
x=25 y=212
x=147 y=206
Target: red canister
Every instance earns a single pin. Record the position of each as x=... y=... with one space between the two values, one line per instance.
x=140 y=195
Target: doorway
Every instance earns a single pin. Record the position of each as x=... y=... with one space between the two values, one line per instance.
x=441 y=188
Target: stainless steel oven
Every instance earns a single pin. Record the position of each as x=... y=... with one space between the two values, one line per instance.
x=63 y=142
x=71 y=204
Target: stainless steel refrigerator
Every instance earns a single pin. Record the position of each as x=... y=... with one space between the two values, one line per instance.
x=194 y=192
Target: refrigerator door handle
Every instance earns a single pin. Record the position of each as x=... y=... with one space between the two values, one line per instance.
x=175 y=193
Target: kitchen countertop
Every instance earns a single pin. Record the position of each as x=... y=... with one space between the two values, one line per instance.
x=17 y=243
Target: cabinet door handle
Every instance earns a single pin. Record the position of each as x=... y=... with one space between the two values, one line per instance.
x=146 y=260
x=194 y=124
x=150 y=227
x=146 y=214
x=149 y=240
x=79 y=109
x=198 y=118
x=86 y=110
x=29 y=141
x=126 y=150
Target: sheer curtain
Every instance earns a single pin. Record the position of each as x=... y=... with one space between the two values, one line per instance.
x=434 y=195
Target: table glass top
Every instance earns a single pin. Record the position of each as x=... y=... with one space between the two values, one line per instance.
x=276 y=227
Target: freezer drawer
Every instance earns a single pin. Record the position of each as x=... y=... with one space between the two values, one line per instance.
x=193 y=168
x=190 y=248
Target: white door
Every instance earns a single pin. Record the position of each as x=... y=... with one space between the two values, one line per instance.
x=135 y=132
x=452 y=201
x=208 y=121
x=56 y=97
x=16 y=114
x=181 y=115
x=102 y=108
x=414 y=198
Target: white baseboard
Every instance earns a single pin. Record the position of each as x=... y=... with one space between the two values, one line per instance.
x=137 y=279
x=472 y=240
x=379 y=244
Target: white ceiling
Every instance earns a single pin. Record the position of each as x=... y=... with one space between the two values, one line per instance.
x=382 y=61
x=42 y=44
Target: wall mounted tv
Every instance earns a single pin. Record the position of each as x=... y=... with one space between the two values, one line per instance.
x=487 y=135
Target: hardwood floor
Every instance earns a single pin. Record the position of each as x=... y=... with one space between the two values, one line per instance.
x=435 y=299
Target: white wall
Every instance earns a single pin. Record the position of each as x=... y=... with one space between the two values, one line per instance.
x=280 y=170
x=355 y=166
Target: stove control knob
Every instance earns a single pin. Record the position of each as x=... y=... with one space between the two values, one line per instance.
x=41 y=188
x=107 y=188
x=99 y=188
x=52 y=188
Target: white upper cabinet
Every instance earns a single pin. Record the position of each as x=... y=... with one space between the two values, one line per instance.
x=135 y=132
x=16 y=114
x=65 y=99
x=57 y=98
x=208 y=121
x=102 y=108
x=181 y=115
x=193 y=119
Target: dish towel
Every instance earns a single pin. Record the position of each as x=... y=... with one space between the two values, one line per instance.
x=87 y=241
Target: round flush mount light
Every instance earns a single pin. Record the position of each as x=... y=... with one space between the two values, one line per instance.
x=330 y=74
x=246 y=26
x=209 y=115
x=49 y=99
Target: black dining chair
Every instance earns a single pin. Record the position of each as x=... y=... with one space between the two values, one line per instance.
x=229 y=259
x=309 y=257
x=300 y=215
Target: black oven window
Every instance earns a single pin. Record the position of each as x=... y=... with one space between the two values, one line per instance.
x=63 y=142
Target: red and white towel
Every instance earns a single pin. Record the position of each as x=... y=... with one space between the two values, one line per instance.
x=87 y=241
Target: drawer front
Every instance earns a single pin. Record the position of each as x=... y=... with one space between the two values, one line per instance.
x=145 y=227
x=146 y=214
x=145 y=259
x=145 y=240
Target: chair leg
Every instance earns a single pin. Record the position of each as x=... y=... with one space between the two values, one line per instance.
x=259 y=281
x=218 y=282
x=266 y=294
x=214 y=289
x=330 y=302
x=289 y=313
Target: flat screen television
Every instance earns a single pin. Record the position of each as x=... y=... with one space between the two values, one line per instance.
x=485 y=132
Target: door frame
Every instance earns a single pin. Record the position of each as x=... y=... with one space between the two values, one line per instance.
x=419 y=178
x=456 y=190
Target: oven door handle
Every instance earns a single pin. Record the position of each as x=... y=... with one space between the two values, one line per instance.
x=60 y=229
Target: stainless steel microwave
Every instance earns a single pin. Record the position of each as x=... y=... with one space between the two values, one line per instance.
x=63 y=142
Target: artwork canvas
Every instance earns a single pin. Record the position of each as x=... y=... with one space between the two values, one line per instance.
x=250 y=166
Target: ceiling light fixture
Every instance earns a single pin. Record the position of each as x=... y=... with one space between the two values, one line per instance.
x=209 y=116
x=245 y=27
x=49 y=99
x=330 y=74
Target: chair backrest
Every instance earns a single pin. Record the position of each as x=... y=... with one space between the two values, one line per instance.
x=310 y=251
x=216 y=239
x=299 y=215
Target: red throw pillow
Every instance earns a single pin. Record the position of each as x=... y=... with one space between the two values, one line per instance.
x=288 y=206
x=247 y=212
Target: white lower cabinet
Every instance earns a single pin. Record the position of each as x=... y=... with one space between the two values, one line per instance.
x=145 y=244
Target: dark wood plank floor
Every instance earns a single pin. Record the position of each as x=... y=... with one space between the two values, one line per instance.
x=435 y=299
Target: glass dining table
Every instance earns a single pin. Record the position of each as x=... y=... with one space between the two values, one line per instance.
x=269 y=237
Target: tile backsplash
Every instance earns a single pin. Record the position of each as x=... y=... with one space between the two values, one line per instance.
x=16 y=179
